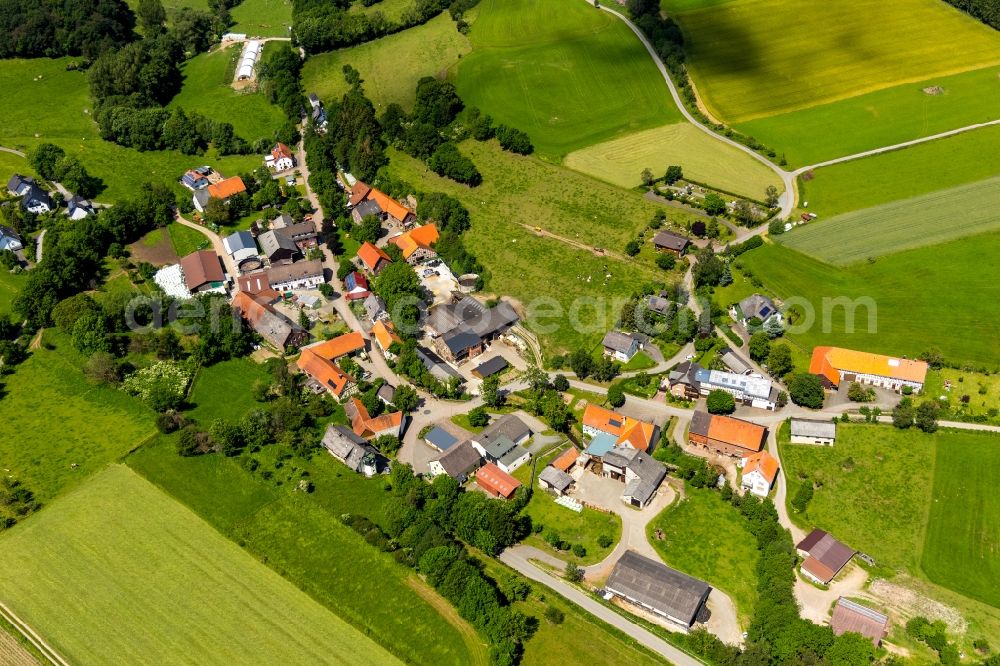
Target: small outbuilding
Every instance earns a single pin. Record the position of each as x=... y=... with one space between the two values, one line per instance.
x=496 y=482
x=556 y=481
x=850 y=616
x=810 y=431
x=440 y=439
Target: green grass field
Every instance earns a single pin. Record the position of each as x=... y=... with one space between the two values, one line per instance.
x=923 y=297
x=207 y=90
x=10 y=284
x=391 y=9
x=53 y=105
x=881 y=118
x=707 y=538
x=233 y=379
x=174 y=5
x=262 y=18
x=118 y=568
x=430 y=50
x=566 y=74
x=55 y=419
x=11 y=164
x=754 y=58
x=518 y=191
x=185 y=239
x=301 y=537
x=962 y=548
x=621 y=161
x=971 y=393
x=928 y=219
x=929 y=167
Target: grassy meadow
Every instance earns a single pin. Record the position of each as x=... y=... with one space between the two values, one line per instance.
x=620 y=161
x=707 y=538
x=10 y=284
x=11 y=164
x=755 y=58
x=566 y=74
x=929 y=167
x=881 y=118
x=972 y=394
x=119 y=568
x=207 y=90
x=928 y=219
x=232 y=379
x=262 y=18
x=54 y=105
x=923 y=298
x=391 y=9
x=430 y=50
x=186 y=240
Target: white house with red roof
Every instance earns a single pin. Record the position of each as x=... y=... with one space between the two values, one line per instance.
x=280 y=158
x=759 y=472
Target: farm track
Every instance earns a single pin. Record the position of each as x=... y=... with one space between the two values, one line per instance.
x=25 y=630
x=574 y=243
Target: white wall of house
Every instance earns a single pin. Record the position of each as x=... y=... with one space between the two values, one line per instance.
x=799 y=439
x=516 y=464
x=880 y=381
x=299 y=283
x=756 y=484
x=436 y=468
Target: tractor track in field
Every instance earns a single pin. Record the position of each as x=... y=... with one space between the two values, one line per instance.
x=32 y=637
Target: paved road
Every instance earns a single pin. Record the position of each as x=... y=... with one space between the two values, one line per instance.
x=39 y=242
x=516 y=558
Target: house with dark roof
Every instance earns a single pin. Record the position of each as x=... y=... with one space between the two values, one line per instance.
x=303 y=234
x=357 y=454
x=203 y=272
x=388 y=209
x=555 y=481
x=275 y=328
x=755 y=306
x=33 y=198
x=725 y=435
x=197 y=179
x=436 y=365
x=683 y=381
x=620 y=346
x=657 y=588
x=641 y=474
x=853 y=617
x=494 y=366
x=278 y=247
x=668 y=241
x=457 y=462
x=375 y=308
x=459 y=345
x=300 y=275
x=10 y=240
x=78 y=208
x=824 y=556
x=659 y=304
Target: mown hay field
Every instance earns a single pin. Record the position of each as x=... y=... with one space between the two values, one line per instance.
x=390 y=66
x=901 y=225
x=755 y=58
x=262 y=18
x=704 y=159
x=118 y=570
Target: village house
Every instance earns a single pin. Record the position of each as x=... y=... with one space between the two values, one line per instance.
x=755 y=306
x=303 y=234
x=300 y=275
x=670 y=594
x=33 y=198
x=373 y=258
x=496 y=482
x=501 y=441
x=690 y=381
x=203 y=272
x=278 y=247
x=853 y=617
x=436 y=365
x=224 y=189
x=242 y=248
x=276 y=329
x=357 y=454
x=347 y=344
x=623 y=429
x=387 y=394
x=457 y=462
x=10 y=240
x=555 y=481
x=659 y=304
x=759 y=472
x=375 y=308
x=366 y=200
x=78 y=208
x=824 y=556
x=325 y=375
x=257 y=284
x=834 y=365
x=317 y=113
x=808 y=431
x=620 y=346
x=197 y=179
x=463 y=328
x=370 y=427
x=356 y=286
x=725 y=435
x=280 y=158
x=384 y=335
x=641 y=474
x=668 y=241
x=416 y=243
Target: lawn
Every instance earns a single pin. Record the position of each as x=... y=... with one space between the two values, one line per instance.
x=881 y=118
x=119 y=568
x=301 y=537
x=922 y=298
x=53 y=104
x=620 y=161
x=430 y=50
x=564 y=73
x=519 y=192
x=58 y=428
x=10 y=284
x=707 y=538
x=972 y=394
x=640 y=361
x=922 y=220
x=754 y=58
x=962 y=547
x=185 y=239
x=207 y=90
x=11 y=164
x=262 y=18
x=223 y=390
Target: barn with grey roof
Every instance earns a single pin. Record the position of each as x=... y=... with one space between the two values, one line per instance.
x=656 y=587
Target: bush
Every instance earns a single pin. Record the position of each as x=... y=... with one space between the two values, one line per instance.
x=554 y=615
x=806 y=390
x=560 y=383
x=720 y=402
x=579 y=550
x=478 y=418
x=616 y=397
x=447 y=161
x=632 y=248
x=804 y=495
x=604 y=541
x=666 y=260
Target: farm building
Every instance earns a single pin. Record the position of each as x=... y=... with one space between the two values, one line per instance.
x=746 y=389
x=725 y=435
x=224 y=189
x=435 y=364
x=808 y=431
x=370 y=427
x=267 y=322
x=759 y=472
x=496 y=482
x=387 y=394
x=353 y=451
x=416 y=243
x=566 y=460
x=278 y=247
x=633 y=432
x=494 y=366
x=248 y=60
x=554 y=480
x=300 y=275
x=342 y=345
x=641 y=474
x=241 y=247
x=203 y=272
x=620 y=346
x=457 y=462
x=850 y=616
x=656 y=587
x=824 y=556
x=735 y=364
x=385 y=207
x=440 y=439
x=325 y=375
x=834 y=365
x=668 y=241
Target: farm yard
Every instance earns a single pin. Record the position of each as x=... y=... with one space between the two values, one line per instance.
x=704 y=159
x=117 y=567
x=923 y=296
x=834 y=52
x=430 y=50
x=928 y=219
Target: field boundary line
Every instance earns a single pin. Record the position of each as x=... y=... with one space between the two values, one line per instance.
x=32 y=637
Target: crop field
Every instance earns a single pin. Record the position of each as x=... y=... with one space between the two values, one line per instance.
x=881 y=118
x=707 y=538
x=900 y=174
x=962 y=548
x=262 y=18
x=301 y=537
x=119 y=568
x=44 y=102
x=704 y=159
x=564 y=73
x=207 y=91
x=827 y=50
x=922 y=298
x=519 y=191
x=430 y=50
x=83 y=426
x=902 y=225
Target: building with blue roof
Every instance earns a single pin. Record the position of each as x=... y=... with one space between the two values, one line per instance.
x=440 y=439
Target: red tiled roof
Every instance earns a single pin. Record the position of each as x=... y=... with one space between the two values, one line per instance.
x=361 y=191
x=762 y=462
x=635 y=433
x=566 y=459
x=370 y=255
x=281 y=150
x=492 y=478
x=201 y=267
x=226 y=188
x=827 y=361
x=384 y=335
x=737 y=432
x=325 y=372
x=339 y=346
x=254 y=283
x=419 y=237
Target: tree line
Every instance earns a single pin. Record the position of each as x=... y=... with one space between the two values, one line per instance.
x=987 y=11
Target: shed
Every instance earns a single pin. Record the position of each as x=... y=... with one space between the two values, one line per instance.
x=667 y=592
x=555 y=480
x=850 y=616
x=440 y=439
x=668 y=240
x=495 y=365
x=810 y=431
x=496 y=482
